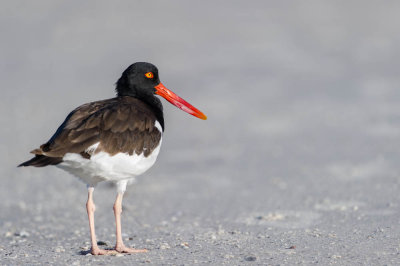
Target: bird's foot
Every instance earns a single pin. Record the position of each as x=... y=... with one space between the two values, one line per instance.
x=124 y=249
x=98 y=251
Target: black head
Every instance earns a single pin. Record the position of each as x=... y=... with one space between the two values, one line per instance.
x=141 y=80
x=138 y=80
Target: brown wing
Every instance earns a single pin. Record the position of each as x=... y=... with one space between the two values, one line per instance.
x=122 y=124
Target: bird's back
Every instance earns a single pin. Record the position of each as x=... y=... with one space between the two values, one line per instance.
x=119 y=125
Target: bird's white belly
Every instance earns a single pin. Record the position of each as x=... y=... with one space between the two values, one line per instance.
x=103 y=167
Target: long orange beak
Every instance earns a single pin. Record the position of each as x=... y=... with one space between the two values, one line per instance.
x=178 y=101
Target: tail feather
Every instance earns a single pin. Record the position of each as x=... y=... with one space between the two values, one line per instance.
x=41 y=161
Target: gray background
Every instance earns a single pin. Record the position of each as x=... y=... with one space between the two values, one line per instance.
x=297 y=163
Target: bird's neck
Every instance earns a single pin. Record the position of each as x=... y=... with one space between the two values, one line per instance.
x=150 y=100
x=157 y=107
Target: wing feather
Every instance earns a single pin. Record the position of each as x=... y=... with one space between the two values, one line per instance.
x=122 y=124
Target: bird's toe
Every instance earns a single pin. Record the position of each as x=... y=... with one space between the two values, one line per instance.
x=124 y=249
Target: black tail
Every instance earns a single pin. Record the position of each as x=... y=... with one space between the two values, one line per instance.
x=42 y=160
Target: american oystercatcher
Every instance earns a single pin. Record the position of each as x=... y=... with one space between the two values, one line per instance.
x=113 y=140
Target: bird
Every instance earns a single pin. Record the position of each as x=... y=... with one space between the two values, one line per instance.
x=113 y=140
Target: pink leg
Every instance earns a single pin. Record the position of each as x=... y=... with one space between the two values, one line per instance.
x=119 y=245
x=90 y=207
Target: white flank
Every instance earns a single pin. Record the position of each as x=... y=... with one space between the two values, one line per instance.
x=103 y=167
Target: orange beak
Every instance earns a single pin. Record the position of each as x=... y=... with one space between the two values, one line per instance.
x=178 y=101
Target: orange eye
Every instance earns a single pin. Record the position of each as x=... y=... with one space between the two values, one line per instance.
x=149 y=75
